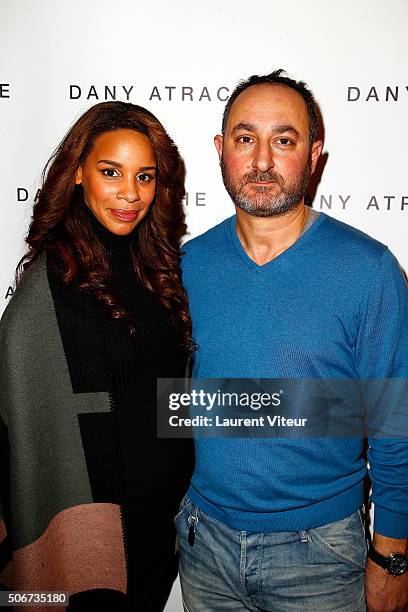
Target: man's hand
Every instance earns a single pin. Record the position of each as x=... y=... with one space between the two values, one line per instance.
x=385 y=593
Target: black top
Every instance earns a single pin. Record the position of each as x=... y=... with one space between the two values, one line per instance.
x=156 y=472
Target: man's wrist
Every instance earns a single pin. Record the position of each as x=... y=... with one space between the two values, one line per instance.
x=386 y=546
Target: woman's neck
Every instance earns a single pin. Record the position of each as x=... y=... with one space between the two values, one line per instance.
x=113 y=243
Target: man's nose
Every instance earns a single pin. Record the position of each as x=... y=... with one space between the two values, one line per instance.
x=129 y=190
x=263 y=159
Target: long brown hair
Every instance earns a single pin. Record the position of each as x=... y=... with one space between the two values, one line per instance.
x=60 y=223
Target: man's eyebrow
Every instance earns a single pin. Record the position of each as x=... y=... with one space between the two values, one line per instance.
x=119 y=165
x=280 y=129
x=277 y=129
x=249 y=127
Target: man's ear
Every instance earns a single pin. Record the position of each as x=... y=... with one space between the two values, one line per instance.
x=78 y=175
x=317 y=147
x=218 y=144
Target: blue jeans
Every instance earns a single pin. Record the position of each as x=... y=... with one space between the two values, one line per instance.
x=315 y=570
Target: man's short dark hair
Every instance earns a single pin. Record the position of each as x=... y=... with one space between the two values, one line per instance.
x=277 y=77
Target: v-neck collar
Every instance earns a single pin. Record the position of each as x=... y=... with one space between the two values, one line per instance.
x=250 y=263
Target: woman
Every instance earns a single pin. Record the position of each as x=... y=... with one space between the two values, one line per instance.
x=88 y=492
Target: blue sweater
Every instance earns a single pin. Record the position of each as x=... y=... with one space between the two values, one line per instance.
x=333 y=305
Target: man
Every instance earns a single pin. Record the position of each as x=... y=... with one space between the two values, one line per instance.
x=280 y=291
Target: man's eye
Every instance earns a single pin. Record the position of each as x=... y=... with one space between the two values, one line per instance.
x=144 y=178
x=284 y=141
x=110 y=172
x=245 y=139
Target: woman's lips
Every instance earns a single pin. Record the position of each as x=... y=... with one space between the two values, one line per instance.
x=124 y=215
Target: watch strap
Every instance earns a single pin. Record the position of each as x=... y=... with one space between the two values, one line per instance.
x=379 y=559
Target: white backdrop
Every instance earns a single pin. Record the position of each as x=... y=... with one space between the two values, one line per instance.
x=57 y=59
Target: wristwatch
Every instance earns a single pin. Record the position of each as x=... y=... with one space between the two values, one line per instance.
x=395 y=563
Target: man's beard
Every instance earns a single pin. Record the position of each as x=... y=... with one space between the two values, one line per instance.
x=262 y=203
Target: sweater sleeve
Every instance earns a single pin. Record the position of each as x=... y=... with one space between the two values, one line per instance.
x=382 y=364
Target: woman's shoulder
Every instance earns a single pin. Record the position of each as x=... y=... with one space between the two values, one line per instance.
x=31 y=299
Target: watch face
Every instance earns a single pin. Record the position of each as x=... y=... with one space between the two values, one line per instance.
x=398 y=564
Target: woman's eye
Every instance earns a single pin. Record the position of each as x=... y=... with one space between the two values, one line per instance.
x=110 y=172
x=144 y=178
